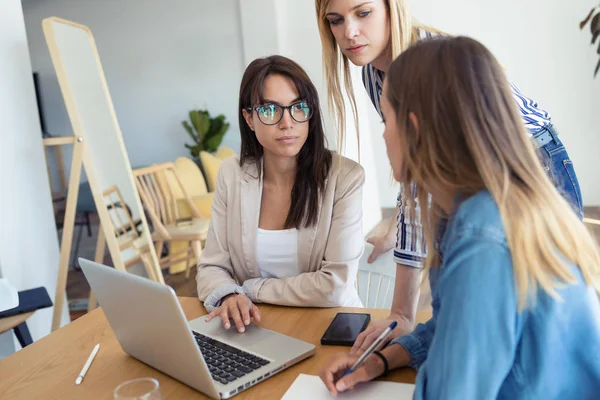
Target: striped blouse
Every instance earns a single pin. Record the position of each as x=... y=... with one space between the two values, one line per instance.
x=410 y=242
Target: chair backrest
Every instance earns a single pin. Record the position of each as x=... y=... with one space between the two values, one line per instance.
x=375 y=282
x=211 y=165
x=156 y=186
x=120 y=215
x=191 y=178
x=225 y=152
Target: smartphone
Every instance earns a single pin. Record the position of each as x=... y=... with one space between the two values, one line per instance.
x=345 y=328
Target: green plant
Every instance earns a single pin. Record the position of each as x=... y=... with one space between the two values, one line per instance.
x=594 y=16
x=206 y=132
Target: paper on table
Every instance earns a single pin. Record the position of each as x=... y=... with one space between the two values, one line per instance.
x=311 y=387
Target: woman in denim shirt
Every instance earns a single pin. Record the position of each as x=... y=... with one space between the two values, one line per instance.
x=515 y=274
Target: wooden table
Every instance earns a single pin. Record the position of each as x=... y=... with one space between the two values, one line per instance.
x=48 y=368
x=8 y=323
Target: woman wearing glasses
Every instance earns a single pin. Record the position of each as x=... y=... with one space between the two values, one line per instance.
x=286 y=220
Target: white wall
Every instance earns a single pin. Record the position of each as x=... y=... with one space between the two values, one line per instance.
x=160 y=58
x=546 y=55
x=28 y=239
x=161 y=61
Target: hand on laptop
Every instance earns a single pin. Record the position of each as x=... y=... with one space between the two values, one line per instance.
x=237 y=307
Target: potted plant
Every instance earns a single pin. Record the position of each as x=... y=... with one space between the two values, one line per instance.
x=594 y=16
x=206 y=132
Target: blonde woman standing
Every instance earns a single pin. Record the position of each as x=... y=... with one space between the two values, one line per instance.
x=370 y=34
x=515 y=275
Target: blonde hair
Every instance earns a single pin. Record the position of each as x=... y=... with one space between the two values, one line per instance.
x=403 y=32
x=471 y=137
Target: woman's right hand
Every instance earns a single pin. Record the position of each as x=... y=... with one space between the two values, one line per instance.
x=333 y=377
x=237 y=307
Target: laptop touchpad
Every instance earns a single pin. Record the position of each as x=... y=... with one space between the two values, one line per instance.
x=254 y=339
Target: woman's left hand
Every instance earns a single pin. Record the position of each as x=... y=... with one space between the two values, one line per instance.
x=333 y=373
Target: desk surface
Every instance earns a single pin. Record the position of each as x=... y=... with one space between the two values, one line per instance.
x=48 y=367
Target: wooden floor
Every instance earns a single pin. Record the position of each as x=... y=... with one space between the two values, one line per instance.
x=78 y=288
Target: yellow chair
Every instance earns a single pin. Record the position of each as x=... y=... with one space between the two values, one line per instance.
x=211 y=165
x=225 y=152
x=201 y=194
x=157 y=186
x=193 y=182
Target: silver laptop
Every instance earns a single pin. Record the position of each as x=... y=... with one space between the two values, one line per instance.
x=150 y=326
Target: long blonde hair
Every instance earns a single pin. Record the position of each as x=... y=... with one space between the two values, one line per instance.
x=402 y=34
x=471 y=137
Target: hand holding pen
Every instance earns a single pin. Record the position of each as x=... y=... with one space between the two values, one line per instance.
x=334 y=374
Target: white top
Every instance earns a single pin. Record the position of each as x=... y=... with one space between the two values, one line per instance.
x=277 y=253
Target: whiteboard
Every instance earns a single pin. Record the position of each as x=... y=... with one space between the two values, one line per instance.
x=93 y=118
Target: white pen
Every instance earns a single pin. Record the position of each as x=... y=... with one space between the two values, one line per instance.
x=87 y=364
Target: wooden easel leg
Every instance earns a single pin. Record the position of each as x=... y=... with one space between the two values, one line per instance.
x=145 y=257
x=67 y=234
x=99 y=258
x=159 y=248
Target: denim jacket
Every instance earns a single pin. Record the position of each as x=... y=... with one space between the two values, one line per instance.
x=478 y=345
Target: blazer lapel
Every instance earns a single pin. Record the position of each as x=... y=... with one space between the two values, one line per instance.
x=251 y=194
x=306 y=240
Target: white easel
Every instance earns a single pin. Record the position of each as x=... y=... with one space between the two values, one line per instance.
x=82 y=157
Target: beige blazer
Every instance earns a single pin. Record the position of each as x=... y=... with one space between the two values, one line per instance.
x=328 y=253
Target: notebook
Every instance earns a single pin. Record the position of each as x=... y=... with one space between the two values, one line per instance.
x=311 y=387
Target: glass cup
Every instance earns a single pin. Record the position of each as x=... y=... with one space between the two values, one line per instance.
x=138 y=389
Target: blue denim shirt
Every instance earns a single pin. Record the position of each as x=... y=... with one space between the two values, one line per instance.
x=478 y=346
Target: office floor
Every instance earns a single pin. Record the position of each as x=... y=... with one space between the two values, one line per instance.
x=78 y=288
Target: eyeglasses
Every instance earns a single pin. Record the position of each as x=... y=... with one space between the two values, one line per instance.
x=271 y=114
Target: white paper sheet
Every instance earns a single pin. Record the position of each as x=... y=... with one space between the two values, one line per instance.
x=311 y=387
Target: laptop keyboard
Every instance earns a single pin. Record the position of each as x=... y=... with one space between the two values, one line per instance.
x=226 y=363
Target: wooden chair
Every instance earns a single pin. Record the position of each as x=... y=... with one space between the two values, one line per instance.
x=158 y=186
x=19 y=325
x=210 y=165
x=191 y=178
x=128 y=236
x=375 y=282
x=127 y=230
x=591 y=221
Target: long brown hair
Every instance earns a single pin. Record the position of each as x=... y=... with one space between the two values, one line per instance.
x=471 y=137
x=313 y=160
